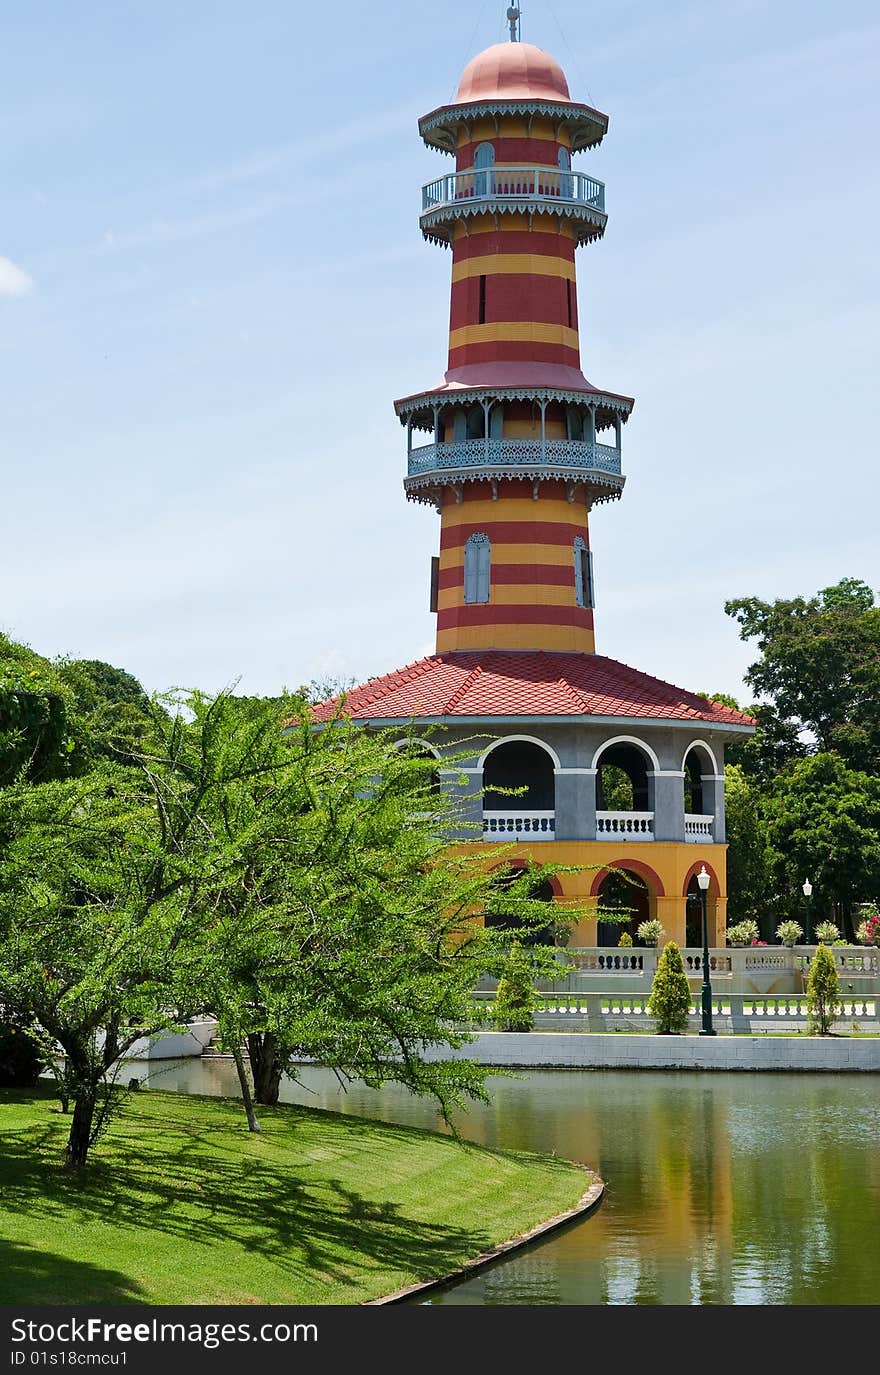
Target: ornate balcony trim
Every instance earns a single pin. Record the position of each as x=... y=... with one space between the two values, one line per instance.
x=479 y=460
x=588 y=126
x=509 y=190
x=409 y=405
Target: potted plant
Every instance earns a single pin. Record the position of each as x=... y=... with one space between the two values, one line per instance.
x=789 y=932
x=743 y=933
x=649 y=932
x=827 y=933
x=625 y=939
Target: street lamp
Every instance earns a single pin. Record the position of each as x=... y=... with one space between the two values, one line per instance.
x=707 y=1028
x=808 y=889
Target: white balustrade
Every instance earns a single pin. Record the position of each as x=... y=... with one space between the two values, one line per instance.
x=625 y=825
x=510 y=825
x=514 y=183
x=698 y=828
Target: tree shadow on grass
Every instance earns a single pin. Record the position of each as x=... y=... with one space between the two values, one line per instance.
x=28 y=1275
x=300 y=1214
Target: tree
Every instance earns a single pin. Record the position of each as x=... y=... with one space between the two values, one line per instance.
x=298 y=885
x=36 y=740
x=111 y=714
x=669 y=1002
x=820 y=670
x=823 y=991
x=748 y=880
x=823 y=821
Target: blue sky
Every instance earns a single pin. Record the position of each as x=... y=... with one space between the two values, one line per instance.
x=213 y=286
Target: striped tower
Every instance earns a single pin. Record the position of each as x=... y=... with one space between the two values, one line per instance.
x=515 y=460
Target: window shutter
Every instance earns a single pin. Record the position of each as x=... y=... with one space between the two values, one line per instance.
x=435 y=581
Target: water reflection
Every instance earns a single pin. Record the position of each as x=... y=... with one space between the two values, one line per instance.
x=721 y=1188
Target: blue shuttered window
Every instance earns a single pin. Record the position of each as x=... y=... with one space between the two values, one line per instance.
x=583 y=574
x=477 y=557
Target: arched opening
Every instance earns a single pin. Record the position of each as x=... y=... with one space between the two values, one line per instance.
x=693 y=784
x=523 y=765
x=703 y=793
x=429 y=780
x=626 y=893
x=625 y=792
x=528 y=933
x=484 y=157
x=693 y=915
x=476 y=423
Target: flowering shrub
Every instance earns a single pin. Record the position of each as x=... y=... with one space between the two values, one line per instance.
x=789 y=932
x=757 y=942
x=868 y=931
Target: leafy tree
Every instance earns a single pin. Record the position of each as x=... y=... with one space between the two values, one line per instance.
x=36 y=740
x=111 y=714
x=748 y=880
x=819 y=669
x=823 y=991
x=670 y=998
x=300 y=886
x=823 y=820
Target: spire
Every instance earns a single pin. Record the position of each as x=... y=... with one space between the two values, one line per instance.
x=513 y=20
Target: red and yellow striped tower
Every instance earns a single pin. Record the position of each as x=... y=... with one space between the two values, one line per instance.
x=515 y=462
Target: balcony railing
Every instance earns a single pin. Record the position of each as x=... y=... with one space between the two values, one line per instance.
x=698 y=829
x=514 y=184
x=577 y=455
x=510 y=825
x=625 y=825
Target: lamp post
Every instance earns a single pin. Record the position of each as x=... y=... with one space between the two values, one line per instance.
x=706 y=1028
x=808 y=890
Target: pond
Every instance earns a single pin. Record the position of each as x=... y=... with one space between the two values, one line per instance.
x=721 y=1188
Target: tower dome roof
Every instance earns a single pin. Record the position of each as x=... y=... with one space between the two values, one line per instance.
x=512 y=71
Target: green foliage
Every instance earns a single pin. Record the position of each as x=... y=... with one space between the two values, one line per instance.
x=670 y=999
x=111 y=715
x=747 y=862
x=743 y=932
x=819 y=668
x=35 y=733
x=789 y=932
x=616 y=788
x=625 y=939
x=823 y=819
x=21 y=1055
x=868 y=930
x=514 y=997
x=650 y=932
x=823 y=991
x=826 y=932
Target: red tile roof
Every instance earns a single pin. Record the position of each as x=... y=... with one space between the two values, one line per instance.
x=521 y=683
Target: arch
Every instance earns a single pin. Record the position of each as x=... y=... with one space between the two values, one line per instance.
x=714 y=889
x=477 y=568
x=518 y=776
x=545 y=890
x=708 y=748
x=618 y=891
x=517 y=862
x=635 y=866
x=484 y=158
x=484 y=155
x=407 y=741
x=510 y=739
x=625 y=740
x=563 y=158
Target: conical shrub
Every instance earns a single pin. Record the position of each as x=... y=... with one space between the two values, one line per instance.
x=670 y=1000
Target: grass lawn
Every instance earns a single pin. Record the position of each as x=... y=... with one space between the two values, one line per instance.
x=182 y=1205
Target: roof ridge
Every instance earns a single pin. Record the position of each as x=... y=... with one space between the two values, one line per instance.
x=675 y=687
x=463 y=688
x=572 y=691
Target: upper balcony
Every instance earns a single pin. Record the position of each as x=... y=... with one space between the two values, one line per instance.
x=547 y=190
x=538 y=459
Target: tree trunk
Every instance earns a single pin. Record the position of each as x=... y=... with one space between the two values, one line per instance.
x=253 y=1124
x=266 y=1067
x=80 y=1137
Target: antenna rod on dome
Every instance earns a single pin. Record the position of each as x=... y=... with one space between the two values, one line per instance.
x=513 y=19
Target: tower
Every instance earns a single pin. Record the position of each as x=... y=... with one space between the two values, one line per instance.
x=521 y=446
x=617 y=771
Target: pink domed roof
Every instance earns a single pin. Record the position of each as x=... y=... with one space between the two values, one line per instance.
x=512 y=71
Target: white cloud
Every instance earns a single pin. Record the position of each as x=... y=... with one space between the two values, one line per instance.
x=13 y=281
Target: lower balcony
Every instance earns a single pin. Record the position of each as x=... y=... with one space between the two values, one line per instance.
x=510 y=825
